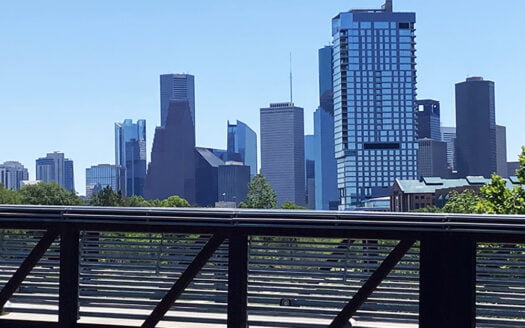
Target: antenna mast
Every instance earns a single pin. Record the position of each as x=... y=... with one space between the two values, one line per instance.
x=291 y=85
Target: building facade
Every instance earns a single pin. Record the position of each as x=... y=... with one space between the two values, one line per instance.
x=11 y=175
x=176 y=87
x=102 y=175
x=282 y=151
x=130 y=154
x=242 y=145
x=475 y=128
x=428 y=119
x=172 y=168
x=448 y=135
x=374 y=102
x=56 y=168
x=206 y=177
x=326 y=192
x=233 y=181
x=501 y=151
x=432 y=158
x=309 y=169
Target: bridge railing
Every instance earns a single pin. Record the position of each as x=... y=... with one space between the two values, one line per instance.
x=97 y=267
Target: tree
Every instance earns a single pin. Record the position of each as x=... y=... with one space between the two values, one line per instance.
x=106 y=197
x=135 y=201
x=8 y=196
x=288 y=205
x=464 y=202
x=50 y=193
x=260 y=194
x=174 y=201
x=496 y=198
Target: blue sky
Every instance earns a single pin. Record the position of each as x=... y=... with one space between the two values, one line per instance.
x=70 y=69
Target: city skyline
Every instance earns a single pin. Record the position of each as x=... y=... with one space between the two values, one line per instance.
x=112 y=85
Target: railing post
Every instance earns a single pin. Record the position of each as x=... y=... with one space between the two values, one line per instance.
x=447 y=285
x=68 y=308
x=238 y=281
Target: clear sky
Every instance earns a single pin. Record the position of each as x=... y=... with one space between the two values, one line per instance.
x=70 y=69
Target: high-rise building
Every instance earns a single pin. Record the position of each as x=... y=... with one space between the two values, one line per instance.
x=501 y=151
x=102 y=175
x=206 y=176
x=309 y=169
x=242 y=145
x=374 y=101
x=234 y=178
x=176 y=87
x=130 y=153
x=55 y=168
x=448 y=135
x=172 y=168
x=432 y=158
x=11 y=175
x=282 y=151
x=326 y=192
x=475 y=128
x=428 y=119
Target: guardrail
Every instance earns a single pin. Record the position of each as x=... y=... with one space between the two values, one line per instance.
x=98 y=267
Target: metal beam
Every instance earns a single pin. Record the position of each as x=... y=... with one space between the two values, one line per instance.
x=371 y=284
x=25 y=268
x=184 y=280
x=68 y=307
x=238 y=282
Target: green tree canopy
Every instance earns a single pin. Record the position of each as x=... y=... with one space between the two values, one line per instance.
x=48 y=193
x=8 y=196
x=106 y=197
x=288 y=205
x=464 y=202
x=135 y=201
x=260 y=194
x=174 y=201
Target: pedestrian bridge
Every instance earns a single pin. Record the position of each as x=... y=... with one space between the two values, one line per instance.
x=143 y=267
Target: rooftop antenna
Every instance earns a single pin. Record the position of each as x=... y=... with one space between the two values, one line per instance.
x=291 y=85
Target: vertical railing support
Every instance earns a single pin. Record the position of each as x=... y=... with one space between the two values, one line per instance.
x=68 y=308
x=447 y=289
x=238 y=281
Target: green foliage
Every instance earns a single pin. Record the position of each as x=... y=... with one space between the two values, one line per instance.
x=9 y=196
x=106 y=197
x=260 y=194
x=50 y=193
x=465 y=202
x=288 y=205
x=428 y=209
x=497 y=199
x=135 y=201
x=174 y=201
x=520 y=173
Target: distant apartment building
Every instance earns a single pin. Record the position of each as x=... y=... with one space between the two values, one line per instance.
x=12 y=173
x=242 y=145
x=102 y=175
x=374 y=85
x=130 y=154
x=325 y=165
x=448 y=135
x=56 y=168
x=476 y=141
x=282 y=151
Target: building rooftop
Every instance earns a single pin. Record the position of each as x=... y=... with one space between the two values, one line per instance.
x=431 y=184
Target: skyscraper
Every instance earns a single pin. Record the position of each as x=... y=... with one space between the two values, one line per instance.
x=374 y=101
x=432 y=158
x=476 y=128
x=234 y=178
x=326 y=193
x=282 y=151
x=206 y=176
x=448 y=135
x=172 y=168
x=130 y=153
x=428 y=119
x=242 y=145
x=309 y=169
x=176 y=87
x=55 y=168
x=11 y=174
x=102 y=175
x=501 y=151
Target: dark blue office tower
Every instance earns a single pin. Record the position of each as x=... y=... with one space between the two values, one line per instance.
x=242 y=145
x=130 y=153
x=326 y=193
x=428 y=119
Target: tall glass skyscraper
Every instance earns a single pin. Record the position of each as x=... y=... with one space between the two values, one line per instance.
x=326 y=196
x=428 y=119
x=11 y=174
x=374 y=101
x=175 y=87
x=130 y=153
x=242 y=145
x=55 y=168
x=102 y=175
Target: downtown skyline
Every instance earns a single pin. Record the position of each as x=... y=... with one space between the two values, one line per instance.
x=245 y=68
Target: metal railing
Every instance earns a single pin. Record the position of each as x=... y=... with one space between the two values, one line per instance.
x=122 y=267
